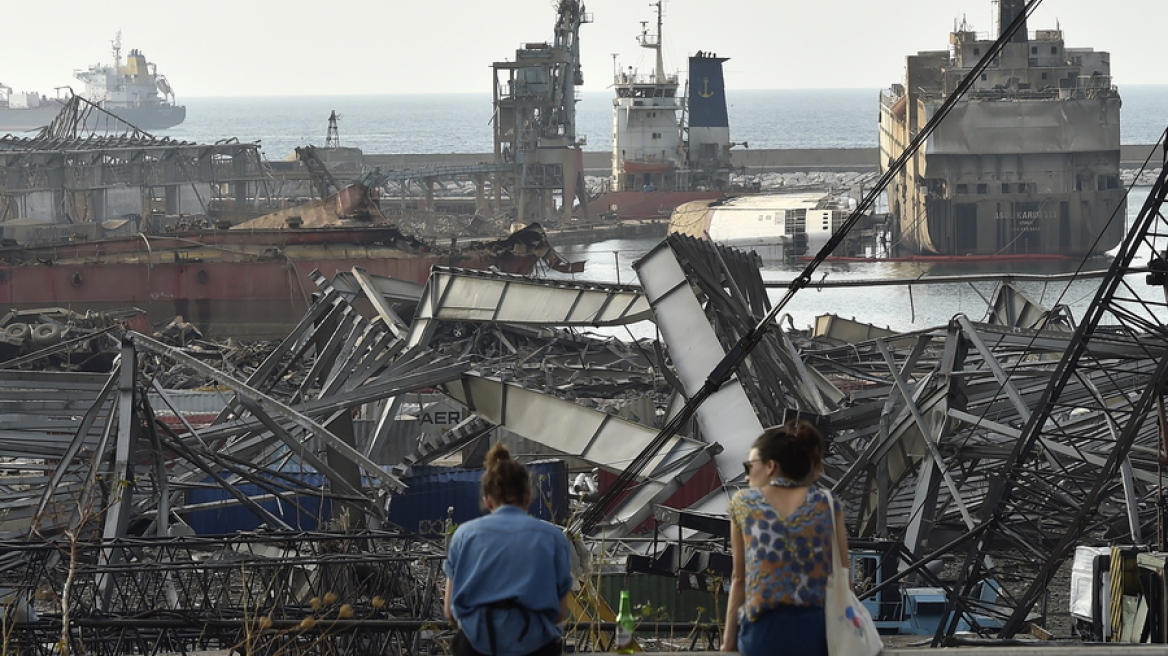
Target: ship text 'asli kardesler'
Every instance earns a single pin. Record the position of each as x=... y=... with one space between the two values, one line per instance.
x=1027 y=162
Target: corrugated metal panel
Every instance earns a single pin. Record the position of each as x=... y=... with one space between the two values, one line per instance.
x=431 y=490
x=191 y=401
x=727 y=415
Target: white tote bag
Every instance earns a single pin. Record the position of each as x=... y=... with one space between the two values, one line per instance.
x=850 y=629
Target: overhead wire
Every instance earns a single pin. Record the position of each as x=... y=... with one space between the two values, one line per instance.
x=730 y=363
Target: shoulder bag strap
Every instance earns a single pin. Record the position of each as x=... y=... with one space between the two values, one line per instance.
x=836 y=564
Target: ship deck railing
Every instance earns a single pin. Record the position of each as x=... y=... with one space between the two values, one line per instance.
x=1015 y=95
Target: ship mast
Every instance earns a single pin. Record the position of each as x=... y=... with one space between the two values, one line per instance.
x=653 y=42
x=116 y=45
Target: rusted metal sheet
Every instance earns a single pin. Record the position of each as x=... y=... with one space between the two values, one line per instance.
x=246 y=284
x=356 y=204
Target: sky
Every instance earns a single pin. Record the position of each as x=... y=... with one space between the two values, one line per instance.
x=217 y=48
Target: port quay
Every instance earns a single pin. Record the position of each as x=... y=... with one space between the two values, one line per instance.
x=599 y=163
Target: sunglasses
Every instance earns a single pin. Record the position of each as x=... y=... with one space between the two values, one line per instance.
x=747 y=464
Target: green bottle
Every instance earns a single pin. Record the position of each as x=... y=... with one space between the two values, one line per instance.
x=624 y=625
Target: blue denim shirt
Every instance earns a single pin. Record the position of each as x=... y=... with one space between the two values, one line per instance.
x=508 y=555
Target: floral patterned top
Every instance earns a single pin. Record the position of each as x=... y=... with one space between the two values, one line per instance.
x=787 y=558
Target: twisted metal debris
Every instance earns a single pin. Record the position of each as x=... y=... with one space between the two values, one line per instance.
x=986 y=445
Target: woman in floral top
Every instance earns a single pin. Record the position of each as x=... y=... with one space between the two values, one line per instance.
x=781 y=542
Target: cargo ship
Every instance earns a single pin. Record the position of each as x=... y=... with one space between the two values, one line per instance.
x=240 y=283
x=133 y=91
x=667 y=149
x=1026 y=162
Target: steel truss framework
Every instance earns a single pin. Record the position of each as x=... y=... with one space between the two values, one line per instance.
x=998 y=447
x=1089 y=453
x=992 y=446
x=315 y=593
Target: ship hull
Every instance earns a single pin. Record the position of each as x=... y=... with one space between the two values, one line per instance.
x=246 y=285
x=644 y=205
x=242 y=300
x=146 y=118
x=983 y=194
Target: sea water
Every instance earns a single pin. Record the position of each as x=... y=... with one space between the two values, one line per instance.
x=461 y=123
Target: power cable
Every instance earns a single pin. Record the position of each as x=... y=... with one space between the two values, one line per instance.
x=729 y=364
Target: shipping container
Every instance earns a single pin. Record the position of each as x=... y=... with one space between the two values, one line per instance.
x=232 y=518
x=421 y=508
x=432 y=491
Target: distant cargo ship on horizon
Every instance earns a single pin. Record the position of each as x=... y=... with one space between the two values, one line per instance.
x=133 y=91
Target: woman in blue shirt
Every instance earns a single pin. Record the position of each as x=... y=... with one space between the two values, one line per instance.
x=508 y=574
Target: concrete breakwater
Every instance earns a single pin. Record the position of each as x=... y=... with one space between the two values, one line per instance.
x=598 y=163
x=767 y=170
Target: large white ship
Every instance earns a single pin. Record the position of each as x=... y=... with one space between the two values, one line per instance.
x=132 y=90
x=1027 y=162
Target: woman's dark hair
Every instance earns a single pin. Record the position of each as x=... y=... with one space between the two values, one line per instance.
x=796 y=445
x=505 y=480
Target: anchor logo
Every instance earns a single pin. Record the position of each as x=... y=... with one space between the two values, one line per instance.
x=705 y=92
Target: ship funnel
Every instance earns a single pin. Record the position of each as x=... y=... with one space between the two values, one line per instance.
x=1008 y=10
x=707 y=92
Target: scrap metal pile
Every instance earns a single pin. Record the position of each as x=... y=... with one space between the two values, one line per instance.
x=993 y=446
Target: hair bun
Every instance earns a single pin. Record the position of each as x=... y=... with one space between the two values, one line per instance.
x=497 y=454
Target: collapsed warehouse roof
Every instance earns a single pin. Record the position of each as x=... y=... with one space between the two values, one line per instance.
x=988 y=444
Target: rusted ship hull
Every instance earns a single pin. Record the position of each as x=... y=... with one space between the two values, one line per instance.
x=251 y=284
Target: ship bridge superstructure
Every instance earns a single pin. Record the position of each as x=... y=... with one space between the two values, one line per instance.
x=135 y=83
x=648 y=144
x=663 y=140
x=1026 y=162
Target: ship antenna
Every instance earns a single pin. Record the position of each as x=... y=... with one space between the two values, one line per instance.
x=660 y=57
x=117 y=48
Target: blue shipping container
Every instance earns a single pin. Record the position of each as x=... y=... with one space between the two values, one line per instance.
x=422 y=507
x=234 y=518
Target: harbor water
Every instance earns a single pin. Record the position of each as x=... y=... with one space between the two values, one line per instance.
x=904 y=307
x=461 y=123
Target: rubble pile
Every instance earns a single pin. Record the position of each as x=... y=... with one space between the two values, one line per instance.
x=61 y=338
x=984 y=449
